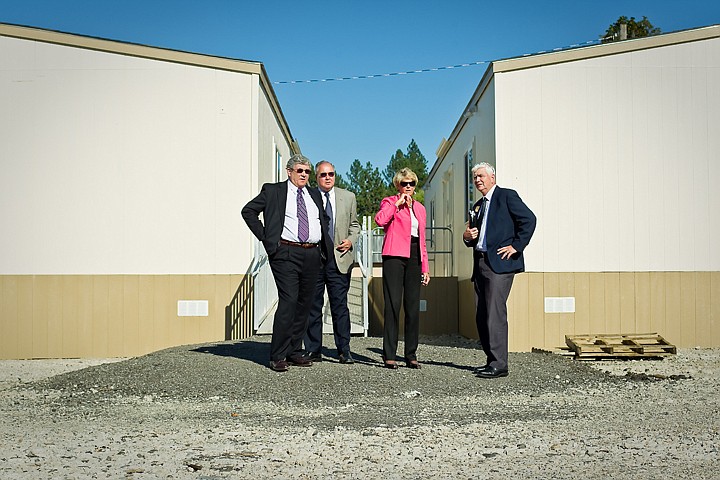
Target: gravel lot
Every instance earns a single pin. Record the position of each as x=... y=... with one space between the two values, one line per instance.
x=216 y=411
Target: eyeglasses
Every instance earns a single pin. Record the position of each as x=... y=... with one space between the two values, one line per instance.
x=408 y=184
x=327 y=174
x=306 y=171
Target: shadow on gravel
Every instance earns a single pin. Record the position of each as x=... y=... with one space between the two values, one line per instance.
x=251 y=351
x=259 y=353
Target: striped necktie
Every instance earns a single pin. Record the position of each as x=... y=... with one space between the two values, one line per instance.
x=303 y=224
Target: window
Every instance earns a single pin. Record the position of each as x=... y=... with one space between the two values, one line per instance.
x=447 y=192
x=431 y=223
x=279 y=164
x=469 y=186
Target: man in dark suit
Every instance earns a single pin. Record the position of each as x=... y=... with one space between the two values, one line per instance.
x=341 y=208
x=296 y=240
x=499 y=229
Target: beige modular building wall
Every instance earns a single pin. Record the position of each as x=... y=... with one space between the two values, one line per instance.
x=616 y=148
x=124 y=169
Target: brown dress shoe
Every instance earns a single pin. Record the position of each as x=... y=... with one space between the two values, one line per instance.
x=279 y=366
x=299 y=360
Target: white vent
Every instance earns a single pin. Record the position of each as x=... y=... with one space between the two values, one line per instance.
x=423 y=305
x=192 y=308
x=559 y=304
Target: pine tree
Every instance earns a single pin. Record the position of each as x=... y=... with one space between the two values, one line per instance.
x=412 y=159
x=367 y=184
x=635 y=29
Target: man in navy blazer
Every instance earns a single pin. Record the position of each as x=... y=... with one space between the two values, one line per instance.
x=295 y=236
x=499 y=228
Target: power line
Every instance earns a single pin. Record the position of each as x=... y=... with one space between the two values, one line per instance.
x=426 y=70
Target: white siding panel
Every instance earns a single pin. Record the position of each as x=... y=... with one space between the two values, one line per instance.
x=557 y=161
x=519 y=161
x=713 y=149
x=679 y=193
x=591 y=100
x=269 y=135
x=578 y=168
x=699 y=213
x=625 y=208
x=647 y=152
x=667 y=235
x=611 y=149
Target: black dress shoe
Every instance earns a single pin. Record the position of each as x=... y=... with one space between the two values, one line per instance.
x=346 y=357
x=492 y=372
x=314 y=356
x=481 y=369
x=299 y=360
x=279 y=366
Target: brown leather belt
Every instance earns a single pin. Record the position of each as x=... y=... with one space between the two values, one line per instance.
x=299 y=244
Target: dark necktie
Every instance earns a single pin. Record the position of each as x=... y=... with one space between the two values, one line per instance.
x=329 y=212
x=303 y=224
x=481 y=214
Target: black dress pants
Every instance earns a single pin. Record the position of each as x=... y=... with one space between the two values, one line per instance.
x=401 y=286
x=295 y=270
x=491 y=294
x=338 y=285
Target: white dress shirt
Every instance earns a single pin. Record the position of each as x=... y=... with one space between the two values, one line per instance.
x=290 y=226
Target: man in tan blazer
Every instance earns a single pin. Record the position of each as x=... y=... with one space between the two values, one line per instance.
x=341 y=207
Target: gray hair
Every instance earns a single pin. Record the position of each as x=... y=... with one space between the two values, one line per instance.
x=317 y=165
x=488 y=168
x=297 y=159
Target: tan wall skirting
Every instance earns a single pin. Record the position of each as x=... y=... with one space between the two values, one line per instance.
x=86 y=316
x=95 y=316
x=683 y=307
x=441 y=316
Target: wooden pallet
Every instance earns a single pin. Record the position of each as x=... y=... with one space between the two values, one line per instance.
x=632 y=345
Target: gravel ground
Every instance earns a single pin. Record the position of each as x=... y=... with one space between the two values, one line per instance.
x=216 y=411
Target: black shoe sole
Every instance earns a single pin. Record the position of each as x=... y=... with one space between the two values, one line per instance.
x=484 y=374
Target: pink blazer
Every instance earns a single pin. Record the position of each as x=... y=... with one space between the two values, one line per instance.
x=397 y=225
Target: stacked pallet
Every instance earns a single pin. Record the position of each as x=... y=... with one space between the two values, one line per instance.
x=634 y=345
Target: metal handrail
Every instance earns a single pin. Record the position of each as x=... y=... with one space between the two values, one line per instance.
x=378 y=233
x=257 y=265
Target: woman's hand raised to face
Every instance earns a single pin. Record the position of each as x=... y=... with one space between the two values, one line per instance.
x=404 y=199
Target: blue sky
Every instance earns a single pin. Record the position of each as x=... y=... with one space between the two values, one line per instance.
x=298 y=40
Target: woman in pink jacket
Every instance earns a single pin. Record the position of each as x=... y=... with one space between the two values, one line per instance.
x=405 y=265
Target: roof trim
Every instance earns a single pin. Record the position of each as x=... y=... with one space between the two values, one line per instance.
x=605 y=49
x=153 y=53
x=564 y=56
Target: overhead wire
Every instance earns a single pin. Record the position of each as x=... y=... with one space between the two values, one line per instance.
x=426 y=70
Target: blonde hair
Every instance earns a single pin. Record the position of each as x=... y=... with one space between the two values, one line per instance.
x=402 y=174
